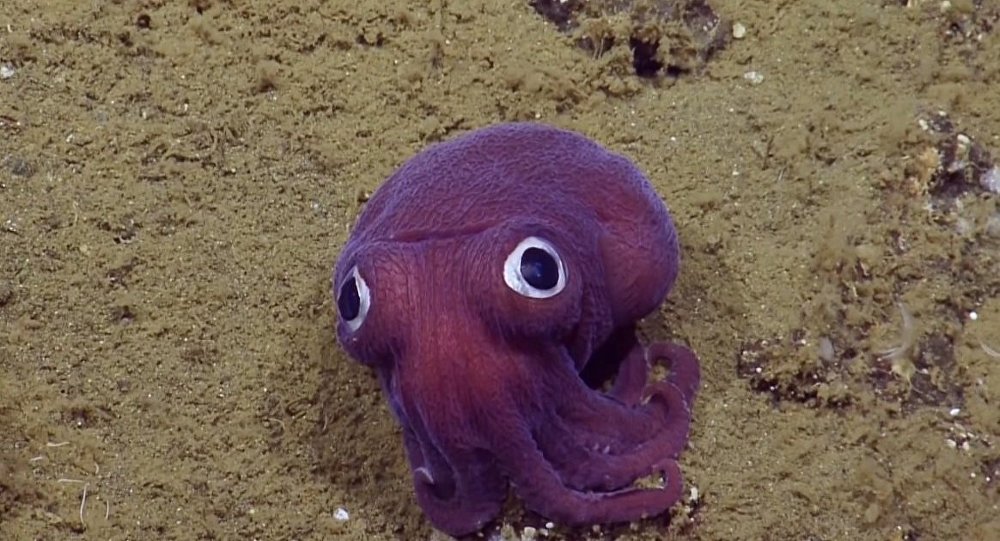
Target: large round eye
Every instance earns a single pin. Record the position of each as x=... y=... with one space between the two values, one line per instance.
x=534 y=269
x=353 y=300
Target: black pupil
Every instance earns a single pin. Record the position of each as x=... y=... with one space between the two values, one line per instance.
x=349 y=302
x=539 y=268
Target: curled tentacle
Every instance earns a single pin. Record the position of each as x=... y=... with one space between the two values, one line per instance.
x=584 y=465
x=543 y=490
x=685 y=371
x=598 y=443
x=456 y=505
x=633 y=372
x=601 y=420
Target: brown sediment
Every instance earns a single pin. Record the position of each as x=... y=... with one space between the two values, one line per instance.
x=177 y=178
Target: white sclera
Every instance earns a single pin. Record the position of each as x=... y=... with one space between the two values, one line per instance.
x=515 y=280
x=365 y=295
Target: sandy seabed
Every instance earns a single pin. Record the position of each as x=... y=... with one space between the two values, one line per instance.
x=176 y=179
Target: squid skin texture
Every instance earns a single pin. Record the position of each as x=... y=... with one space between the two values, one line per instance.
x=498 y=386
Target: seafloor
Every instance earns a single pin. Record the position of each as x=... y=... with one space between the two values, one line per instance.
x=176 y=179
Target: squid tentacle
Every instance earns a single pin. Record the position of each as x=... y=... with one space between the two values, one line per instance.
x=542 y=489
x=581 y=434
x=685 y=370
x=585 y=466
x=601 y=421
x=457 y=505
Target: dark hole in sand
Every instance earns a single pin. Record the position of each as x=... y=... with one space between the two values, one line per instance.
x=666 y=37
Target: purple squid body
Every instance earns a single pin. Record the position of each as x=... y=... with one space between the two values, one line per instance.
x=494 y=283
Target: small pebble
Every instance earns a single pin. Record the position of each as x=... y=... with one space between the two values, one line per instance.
x=341 y=514
x=826 y=351
x=755 y=77
x=739 y=31
x=954 y=412
x=993 y=226
x=990 y=180
x=6 y=71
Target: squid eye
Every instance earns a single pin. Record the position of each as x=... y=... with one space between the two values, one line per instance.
x=353 y=300
x=534 y=269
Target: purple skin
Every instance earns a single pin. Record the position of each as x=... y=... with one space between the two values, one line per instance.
x=493 y=283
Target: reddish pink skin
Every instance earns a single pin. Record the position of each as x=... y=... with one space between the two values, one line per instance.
x=494 y=389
